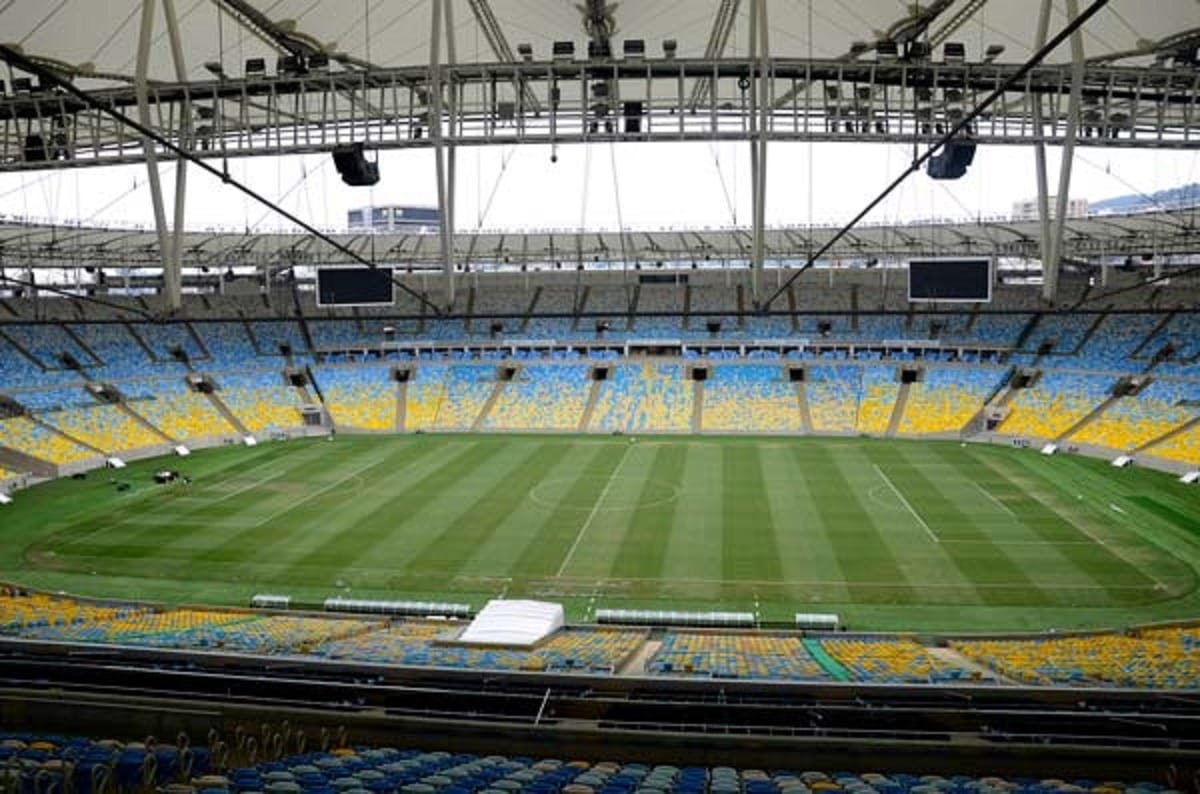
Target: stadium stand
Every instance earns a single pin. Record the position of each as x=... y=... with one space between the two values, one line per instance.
x=431 y=644
x=946 y=399
x=833 y=396
x=23 y=434
x=227 y=343
x=751 y=398
x=1055 y=404
x=45 y=342
x=541 y=397
x=1183 y=447
x=362 y=397
x=105 y=427
x=259 y=400
x=763 y=656
x=177 y=411
x=1150 y=658
x=46 y=761
x=270 y=335
x=467 y=389
x=879 y=392
x=891 y=660
x=120 y=353
x=1135 y=420
x=162 y=338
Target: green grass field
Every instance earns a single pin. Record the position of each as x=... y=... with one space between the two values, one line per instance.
x=890 y=534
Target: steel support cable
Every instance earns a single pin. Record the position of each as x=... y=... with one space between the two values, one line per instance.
x=951 y=133
x=14 y=58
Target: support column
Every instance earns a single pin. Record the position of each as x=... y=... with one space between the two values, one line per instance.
x=170 y=265
x=445 y=189
x=1050 y=269
x=172 y=274
x=759 y=115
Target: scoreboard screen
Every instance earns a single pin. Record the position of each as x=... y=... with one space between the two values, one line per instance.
x=963 y=280
x=355 y=286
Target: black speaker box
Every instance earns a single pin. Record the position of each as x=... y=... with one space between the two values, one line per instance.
x=353 y=166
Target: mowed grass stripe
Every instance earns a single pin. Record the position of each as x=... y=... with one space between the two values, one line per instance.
x=862 y=554
x=981 y=562
x=748 y=547
x=226 y=517
x=448 y=550
x=375 y=535
x=312 y=499
x=1083 y=508
x=546 y=546
x=1089 y=561
x=157 y=511
x=644 y=547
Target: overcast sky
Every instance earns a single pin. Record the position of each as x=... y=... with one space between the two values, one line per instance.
x=658 y=184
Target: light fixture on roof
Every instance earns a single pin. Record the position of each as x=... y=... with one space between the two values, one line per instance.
x=859 y=47
x=993 y=52
x=954 y=52
x=669 y=48
x=256 y=67
x=887 y=50
x=563 y=51
x=525 y=50
x=215 y=69
x=634 y=49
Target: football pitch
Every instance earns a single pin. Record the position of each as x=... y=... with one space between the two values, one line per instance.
x=888 y=534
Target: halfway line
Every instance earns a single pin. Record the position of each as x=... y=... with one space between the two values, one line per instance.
x=612 y=477
x=900 y=496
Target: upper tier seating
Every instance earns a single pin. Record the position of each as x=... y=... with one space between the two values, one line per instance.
x=270 y=335
x=228 y=343
x=46 y=341
x=751 y=398
x=1111 y=344
x=162 y=338
x=1065 y=331
x=123 y=357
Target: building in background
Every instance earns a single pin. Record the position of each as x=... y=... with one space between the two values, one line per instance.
x=414 y=220
x=1027 y=210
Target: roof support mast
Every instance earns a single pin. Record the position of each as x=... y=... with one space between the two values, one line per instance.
x=443 y=151
x=1053 y=226
x=760 y=106
x=170 y=240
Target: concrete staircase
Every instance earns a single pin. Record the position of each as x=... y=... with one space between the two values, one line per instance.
x=898 y=409
x=802 y=404
x=1092 y=416
x=593 y=394
x=698 y=405
x=227 y=414
x=401 y=405
x=1178 y=431
x=16 y=460
x=497 y=390
x=144 y=422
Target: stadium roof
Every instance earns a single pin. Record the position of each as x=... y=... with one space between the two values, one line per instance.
x=1160 y=233
x=99 y=37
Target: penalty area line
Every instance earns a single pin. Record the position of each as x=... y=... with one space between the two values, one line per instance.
x=932 y=535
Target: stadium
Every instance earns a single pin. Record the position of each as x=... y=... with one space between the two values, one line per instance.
x=439 y=397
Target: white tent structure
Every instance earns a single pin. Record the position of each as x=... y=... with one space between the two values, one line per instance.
x=513 y=622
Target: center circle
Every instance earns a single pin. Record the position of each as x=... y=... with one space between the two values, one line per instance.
x=556 y=494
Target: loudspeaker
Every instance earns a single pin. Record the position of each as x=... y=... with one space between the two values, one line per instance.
x=713 y=326
x=633 y=117
x=35 y=149
x=952 y=161
x=355 y=169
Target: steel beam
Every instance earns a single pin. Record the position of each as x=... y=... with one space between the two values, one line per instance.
x=436 y=108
